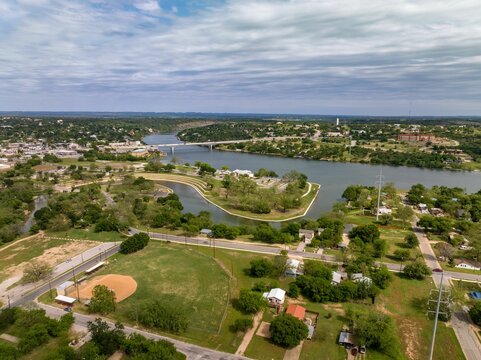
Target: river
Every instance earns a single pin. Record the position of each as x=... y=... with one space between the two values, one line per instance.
x=334 y=177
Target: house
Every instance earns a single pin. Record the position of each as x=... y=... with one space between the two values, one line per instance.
x=359 y=277
x=460 y=213
x=62 y=288
x=467 y=264
x=436 y=211
x=423 y=208
x=346 y=339
x=240 y=173
x=337 y=277
x=275 y=297
x=292 y=267
x=383 y=210
x=206 y=232
x=297 y=311
x=306 y=235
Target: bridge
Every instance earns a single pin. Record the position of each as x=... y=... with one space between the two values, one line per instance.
x=211 y=144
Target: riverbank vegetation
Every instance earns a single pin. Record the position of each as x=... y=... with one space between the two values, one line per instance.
x=451 y=145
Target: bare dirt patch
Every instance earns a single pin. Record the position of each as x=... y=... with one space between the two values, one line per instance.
x=337 y=308
x=122 y=285
x=55 y=255
x=410 y=338
x=264 y=330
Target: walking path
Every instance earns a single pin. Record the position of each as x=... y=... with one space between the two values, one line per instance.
x=249 y=334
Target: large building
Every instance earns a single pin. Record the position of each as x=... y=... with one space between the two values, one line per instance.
x=416 y=137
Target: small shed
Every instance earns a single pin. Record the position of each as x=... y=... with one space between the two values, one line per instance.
x=66 y=300
x=346 y=338
x=206 y=232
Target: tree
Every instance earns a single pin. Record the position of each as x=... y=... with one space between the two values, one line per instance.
x=165 y=313
x=404 y=213
x=317 y=269
x=260 y=268
x=102 y=301
x=251 y=302
x=381 y=276
x=475 y=313
x=411 y=240
x=416 y=270
x=366 y=233
x=402 y=254
x=36 y=271
x=242 y=325
x=107 y=340
x=288 y=331
x=380 y=247
x=134 y=243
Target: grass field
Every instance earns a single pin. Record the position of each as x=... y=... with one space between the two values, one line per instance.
x=88 y=234
x=196 y=279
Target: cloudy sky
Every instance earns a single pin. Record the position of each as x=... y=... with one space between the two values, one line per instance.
x=373 y=57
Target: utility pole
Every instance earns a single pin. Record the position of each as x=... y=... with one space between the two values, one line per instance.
x=380 y=177
x=437 y=312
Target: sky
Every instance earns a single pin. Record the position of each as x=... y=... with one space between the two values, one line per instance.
x=360 y=57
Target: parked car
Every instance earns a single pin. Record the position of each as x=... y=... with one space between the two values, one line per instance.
x=362 y=349
x=354 y=351
x=437 y=270
x=68 y=309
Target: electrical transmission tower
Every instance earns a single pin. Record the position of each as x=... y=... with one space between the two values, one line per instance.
x=379 y=182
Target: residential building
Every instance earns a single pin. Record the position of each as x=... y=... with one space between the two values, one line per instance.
x=275 y=297
x=297 y=311
x=306 y=235
x=293 y=267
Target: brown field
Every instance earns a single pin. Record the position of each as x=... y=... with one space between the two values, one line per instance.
x=122 y=285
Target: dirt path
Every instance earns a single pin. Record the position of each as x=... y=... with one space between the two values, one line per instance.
x=40 y=233
x=249 y=334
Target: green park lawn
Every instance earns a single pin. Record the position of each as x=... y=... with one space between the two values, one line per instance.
x=88 y=234
x=186 y=275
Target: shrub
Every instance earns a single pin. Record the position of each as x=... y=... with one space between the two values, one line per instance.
x=242 y=325
x=164 y=314
x=134 y=243
x=416 y=270
x=102 y=301
x=260 y=268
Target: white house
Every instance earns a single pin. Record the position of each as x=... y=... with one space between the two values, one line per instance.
x=292 y=267
x=275 y=297
x=384 y=211
x=306 y=235
x=336 y=278
x=359 y=277
x=466 y=265
x=247 y=173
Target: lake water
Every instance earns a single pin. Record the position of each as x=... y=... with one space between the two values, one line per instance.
x=333 y=177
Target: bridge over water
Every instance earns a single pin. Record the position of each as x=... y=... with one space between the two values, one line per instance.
x=211 y=144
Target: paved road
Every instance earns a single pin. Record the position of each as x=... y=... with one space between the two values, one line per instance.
x=465 y=332
x=192 y=351
x=20 y=298
x=92 y=256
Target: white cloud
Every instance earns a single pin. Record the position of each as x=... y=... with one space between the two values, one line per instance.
x=147 y=5
x=299 y=54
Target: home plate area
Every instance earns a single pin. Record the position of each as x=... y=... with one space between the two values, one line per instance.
x=122 y=285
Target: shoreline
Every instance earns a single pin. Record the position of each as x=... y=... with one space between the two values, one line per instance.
x=199 y=191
